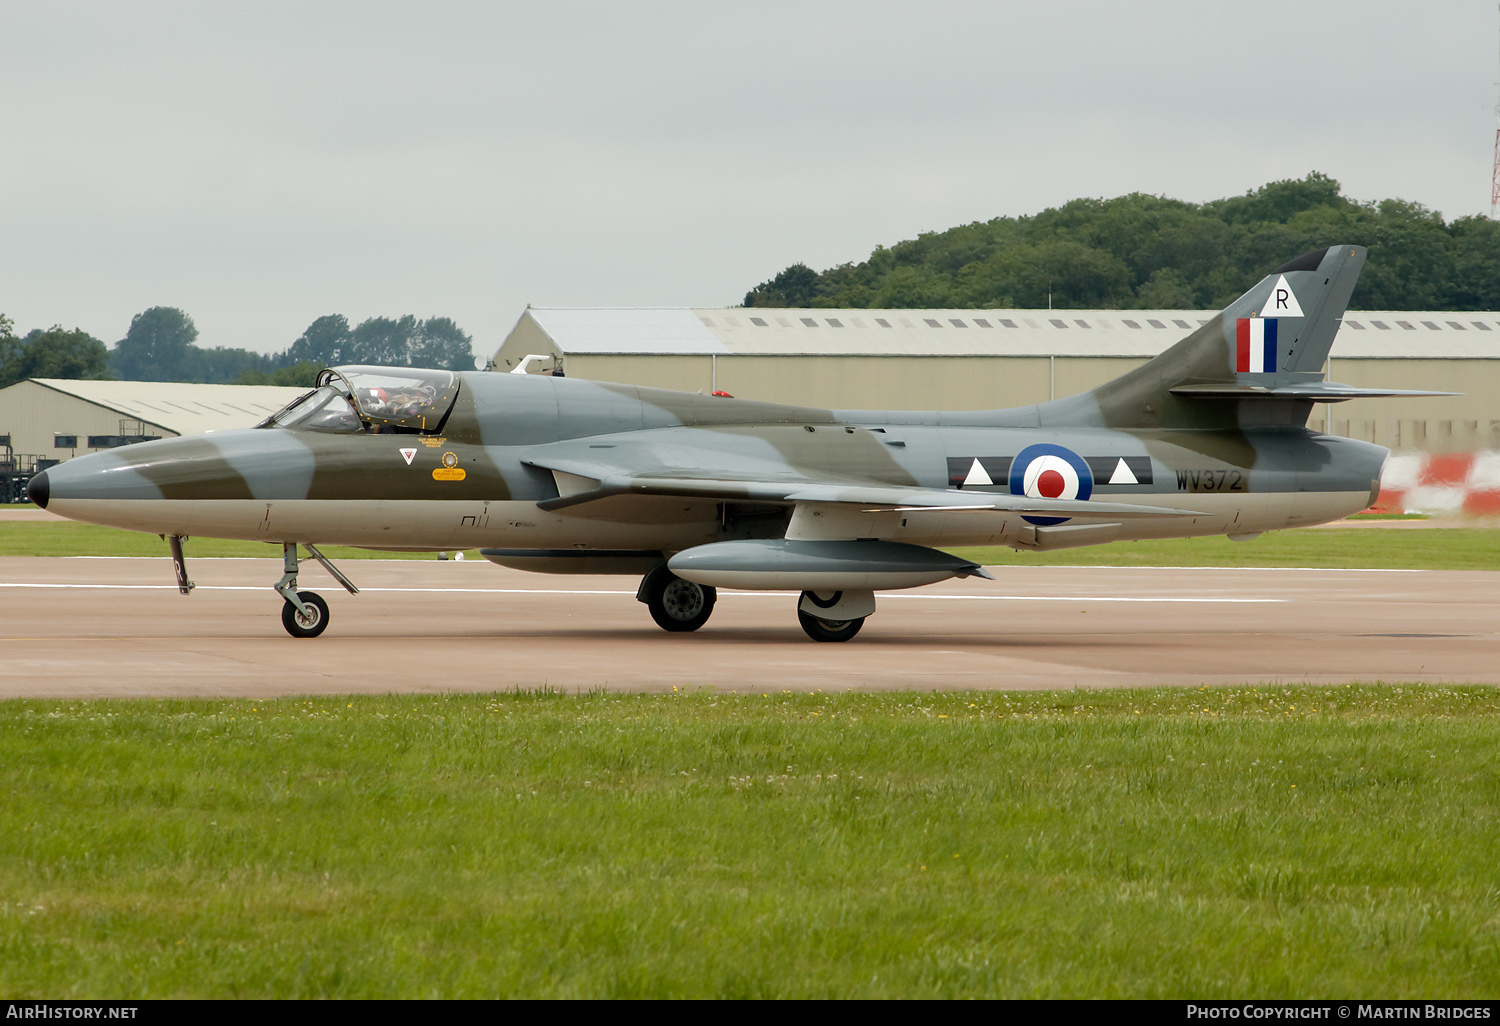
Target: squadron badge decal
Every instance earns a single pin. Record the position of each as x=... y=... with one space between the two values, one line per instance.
x=450 y=470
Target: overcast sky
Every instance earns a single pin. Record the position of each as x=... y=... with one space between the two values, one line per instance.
x=262 y=164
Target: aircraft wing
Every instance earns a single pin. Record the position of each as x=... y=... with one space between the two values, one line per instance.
x=588 y=478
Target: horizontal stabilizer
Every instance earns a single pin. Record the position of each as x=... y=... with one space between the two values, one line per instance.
x=1317 y=391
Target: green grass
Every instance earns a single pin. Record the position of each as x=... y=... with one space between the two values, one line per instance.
x=1438 y=549
x=1266 y=842
x=71 y=538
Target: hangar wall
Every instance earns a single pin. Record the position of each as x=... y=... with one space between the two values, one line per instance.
x=1465 y=422
x=87 y=416
x=35 y=416
x=924 y=360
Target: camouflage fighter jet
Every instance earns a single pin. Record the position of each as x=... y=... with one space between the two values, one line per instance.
x=694 y=493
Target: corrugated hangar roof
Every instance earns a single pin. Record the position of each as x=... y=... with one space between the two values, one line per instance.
x=183 y=408
x=629 y=330
x=1369 y=334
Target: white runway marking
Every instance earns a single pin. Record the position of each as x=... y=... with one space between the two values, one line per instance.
x=581 y=591
x=1001 y=568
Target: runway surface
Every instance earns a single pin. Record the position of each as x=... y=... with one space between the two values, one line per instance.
x=89 y=627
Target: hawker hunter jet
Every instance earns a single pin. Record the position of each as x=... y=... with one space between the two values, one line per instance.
x=693 y=493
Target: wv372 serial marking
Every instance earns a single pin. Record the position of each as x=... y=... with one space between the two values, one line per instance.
x=695 y=493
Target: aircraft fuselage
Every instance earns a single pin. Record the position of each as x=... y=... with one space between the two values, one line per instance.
x=472 y=484
x=699 y=492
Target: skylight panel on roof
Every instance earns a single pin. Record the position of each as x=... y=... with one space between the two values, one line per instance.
x=1058 y=322
x=833 y=322
x=1431 y=326
x=956 y=322
x=882 y=322
x=1355 y=325
x=904 y=322
x=1130 y=324
x=1456 y=326
x=783 y=322
x=1381 y=325
x=1007 y=322
x=810 y=322
x=1155 y=323
x=981 y=322
x=1480 y=325
x=1406 y=325
x=758 y=322
x=933 y=322
x=1081 y=322
x=1182 y=324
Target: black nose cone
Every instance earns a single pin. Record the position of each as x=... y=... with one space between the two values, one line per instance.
x=38 y=490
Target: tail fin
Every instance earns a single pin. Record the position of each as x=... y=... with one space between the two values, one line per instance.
x=1270 y=344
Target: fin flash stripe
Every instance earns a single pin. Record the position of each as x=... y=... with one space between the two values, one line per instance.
x=1255 y=345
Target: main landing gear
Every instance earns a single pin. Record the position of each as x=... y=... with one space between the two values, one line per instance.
x=676 y=605
x=833 y=617
x=680 y=606
x=829 y=630
x=305 y=614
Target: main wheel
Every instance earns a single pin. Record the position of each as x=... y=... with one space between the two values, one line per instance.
x=678 y=605
x=311 y=625
x=829 y=630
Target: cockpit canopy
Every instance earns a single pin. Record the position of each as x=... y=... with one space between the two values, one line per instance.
x=350 y=400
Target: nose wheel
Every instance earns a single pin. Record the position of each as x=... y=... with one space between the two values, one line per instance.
x=304 y=614
x=309 y=621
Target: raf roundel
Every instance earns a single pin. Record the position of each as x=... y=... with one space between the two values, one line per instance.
x=1046 y=471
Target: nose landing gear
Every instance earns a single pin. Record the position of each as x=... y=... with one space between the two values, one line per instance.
x=307 y=621
x=305 y=614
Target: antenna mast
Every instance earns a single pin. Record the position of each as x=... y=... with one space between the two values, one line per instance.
x=1495 y=175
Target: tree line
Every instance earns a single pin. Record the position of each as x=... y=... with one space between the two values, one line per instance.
x=162 y=345
x=1151 y=252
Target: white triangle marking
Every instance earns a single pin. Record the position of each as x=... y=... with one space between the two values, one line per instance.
x=407 y=455
x=1122 y=474
x=1282 y=302
x=977 y=476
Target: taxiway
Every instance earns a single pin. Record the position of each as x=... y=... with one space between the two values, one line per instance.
x=94 y=627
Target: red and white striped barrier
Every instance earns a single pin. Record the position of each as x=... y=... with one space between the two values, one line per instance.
x=1440 y=485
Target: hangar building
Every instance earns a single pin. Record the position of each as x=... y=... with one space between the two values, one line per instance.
x=46 y=420
x=985 y=359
